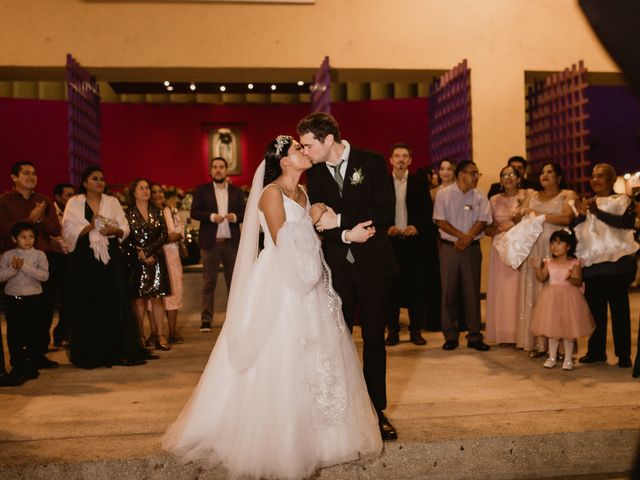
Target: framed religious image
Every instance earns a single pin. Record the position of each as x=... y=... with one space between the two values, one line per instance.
x=224 y=141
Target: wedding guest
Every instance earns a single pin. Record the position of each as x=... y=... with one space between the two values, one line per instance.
x=461 y=212
x=219 y=206
x=520 y=165
x=504 y=282
x=446 y=173
x=561 y=312
x=413 y=241
x=175 y=229
x=103 y=330
x=23 y=203
x=62 y=192
x=553 y=201
x=23 y=268
x=607 y=282
x=432 y=178
x=148 y=277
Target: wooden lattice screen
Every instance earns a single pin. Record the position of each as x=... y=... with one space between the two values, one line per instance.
x=450 y=115
x=83 y=96
x=556 y=125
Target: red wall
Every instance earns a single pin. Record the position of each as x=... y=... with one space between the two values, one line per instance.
x=168 y=143
x=35 y=131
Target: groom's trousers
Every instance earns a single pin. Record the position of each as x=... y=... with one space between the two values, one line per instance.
x=367 y=296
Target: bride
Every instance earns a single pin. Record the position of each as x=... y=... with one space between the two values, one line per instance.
x=283 y=392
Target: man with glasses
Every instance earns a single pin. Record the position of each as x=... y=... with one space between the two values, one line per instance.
x=461 y=212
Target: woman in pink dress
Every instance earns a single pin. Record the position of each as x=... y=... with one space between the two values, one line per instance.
x=561 y=312
x=504 y=281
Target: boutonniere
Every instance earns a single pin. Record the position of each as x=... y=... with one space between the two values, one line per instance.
x=357 y=177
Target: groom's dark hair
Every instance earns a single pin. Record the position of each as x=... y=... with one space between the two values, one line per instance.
x=320 y=124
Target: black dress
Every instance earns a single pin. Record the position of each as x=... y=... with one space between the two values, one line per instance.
x=104 y=331
x=149 y=235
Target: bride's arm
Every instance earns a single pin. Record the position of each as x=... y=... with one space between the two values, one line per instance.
x=272 y=206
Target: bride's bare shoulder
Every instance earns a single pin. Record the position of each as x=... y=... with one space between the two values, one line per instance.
x=271 y=197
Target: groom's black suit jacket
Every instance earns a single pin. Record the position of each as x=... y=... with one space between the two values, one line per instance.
x=372 y=199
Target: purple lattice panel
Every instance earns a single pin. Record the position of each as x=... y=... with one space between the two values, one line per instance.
x=84 y=119
x=450 y=115
x=320 y=89
x=556 y=124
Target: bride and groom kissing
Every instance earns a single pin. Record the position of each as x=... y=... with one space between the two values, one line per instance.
x=283 y=393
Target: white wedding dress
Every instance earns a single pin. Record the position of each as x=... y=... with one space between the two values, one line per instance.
x=300 y=402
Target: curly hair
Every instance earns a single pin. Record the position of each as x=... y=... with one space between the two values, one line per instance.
x=277 y=149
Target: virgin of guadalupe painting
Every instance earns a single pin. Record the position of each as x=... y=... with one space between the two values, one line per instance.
x=225 y=142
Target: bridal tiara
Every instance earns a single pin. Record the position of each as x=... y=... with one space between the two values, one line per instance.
x=281 y=141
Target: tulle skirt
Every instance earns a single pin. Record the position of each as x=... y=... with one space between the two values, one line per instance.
x=302 y=405
x=561 y=312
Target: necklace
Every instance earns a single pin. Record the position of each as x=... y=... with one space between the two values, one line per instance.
x=292 y=194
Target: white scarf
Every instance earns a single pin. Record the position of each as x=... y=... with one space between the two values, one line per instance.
x=74 y=221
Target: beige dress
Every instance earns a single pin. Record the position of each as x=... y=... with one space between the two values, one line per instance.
x=172 y=257
x=530 y=287
x=504 y=281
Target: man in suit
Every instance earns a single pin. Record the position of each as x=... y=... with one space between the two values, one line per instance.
x=219 y=206
x=519 y=164
x=354 y=184
x=413 y=238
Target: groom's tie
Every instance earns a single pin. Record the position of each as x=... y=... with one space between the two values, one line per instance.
x=338 y=176
x=340 y=181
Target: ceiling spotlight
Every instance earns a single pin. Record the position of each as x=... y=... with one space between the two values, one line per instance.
x=192 y=86
x=167 y=83
x=250 y=86
x=273 y=87
x=170 y=88
x=627 y=176
x=223 y=88
x=300 y=83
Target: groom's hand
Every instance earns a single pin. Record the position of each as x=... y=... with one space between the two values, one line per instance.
x=328 y=220
x=361 y=232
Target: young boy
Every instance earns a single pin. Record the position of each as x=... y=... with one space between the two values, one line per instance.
x=23 y=268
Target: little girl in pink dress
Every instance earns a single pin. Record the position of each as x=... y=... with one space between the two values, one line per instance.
x=561 y=312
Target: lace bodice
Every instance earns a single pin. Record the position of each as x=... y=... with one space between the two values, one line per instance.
x=293 y=212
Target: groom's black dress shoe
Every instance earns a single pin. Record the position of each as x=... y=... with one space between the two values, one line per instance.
x=387 y=432
x=450 y=345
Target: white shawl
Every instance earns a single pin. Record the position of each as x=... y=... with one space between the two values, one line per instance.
x=73 y=222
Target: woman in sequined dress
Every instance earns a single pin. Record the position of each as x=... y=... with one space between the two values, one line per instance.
x=283 y=393
x=148 y=277
x=553 y=202
x=103 y=329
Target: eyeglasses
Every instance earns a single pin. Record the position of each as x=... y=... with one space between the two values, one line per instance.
x=508 y=175
x=473 y=173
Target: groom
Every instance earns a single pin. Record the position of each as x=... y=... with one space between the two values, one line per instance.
x=354 y=183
